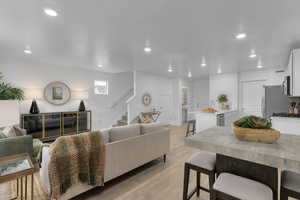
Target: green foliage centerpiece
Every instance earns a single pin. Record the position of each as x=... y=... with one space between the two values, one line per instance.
x=8 y=92
x=222 y=100
x=255 y=129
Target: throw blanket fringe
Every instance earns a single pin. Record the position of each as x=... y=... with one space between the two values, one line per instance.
x=74 y=159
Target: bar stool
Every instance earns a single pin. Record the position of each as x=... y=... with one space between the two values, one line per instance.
x=191 y=123
x=240 y=179
x=201 y=162
x=290 y=185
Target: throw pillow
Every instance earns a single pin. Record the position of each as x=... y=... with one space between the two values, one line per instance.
x=2 y=136
x=19 y=131
x=9 y=131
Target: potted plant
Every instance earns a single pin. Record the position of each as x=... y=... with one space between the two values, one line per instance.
x=222 y=100
x=8 y=92
x=9 y=105
x=256 y=129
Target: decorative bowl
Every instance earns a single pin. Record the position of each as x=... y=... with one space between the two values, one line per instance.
x=256 y=135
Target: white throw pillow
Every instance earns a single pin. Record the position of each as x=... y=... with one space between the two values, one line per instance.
x=123 y=132
x=9 y=131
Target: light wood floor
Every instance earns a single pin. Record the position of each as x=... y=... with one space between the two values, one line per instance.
x=154 y=181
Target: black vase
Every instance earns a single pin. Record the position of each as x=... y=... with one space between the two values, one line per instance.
x=81 y=106
x=34 y=109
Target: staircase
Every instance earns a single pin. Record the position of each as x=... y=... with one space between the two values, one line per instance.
x=119 y=109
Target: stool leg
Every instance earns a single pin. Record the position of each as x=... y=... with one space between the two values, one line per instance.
x=283 y=195
x=198 y=183
x=187 y=130
x=186 y=181
x=211 y=183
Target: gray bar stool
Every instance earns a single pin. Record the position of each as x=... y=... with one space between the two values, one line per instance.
x=240 y=179
x=201 y=162
x=290 y=185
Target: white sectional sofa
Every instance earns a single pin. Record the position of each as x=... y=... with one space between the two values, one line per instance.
x=127 y=148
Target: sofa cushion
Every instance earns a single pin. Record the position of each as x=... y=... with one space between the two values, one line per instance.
x=106 y=135
x=123 y=132
x=147 y=128
x=242 y=188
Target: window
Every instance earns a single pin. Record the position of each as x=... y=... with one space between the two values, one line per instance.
x=101 y=87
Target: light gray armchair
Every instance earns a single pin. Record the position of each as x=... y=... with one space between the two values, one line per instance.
x=16 y=145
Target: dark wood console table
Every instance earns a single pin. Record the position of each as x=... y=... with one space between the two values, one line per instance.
x=49 y=126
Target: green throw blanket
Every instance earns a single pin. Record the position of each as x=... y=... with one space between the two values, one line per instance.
x=74 y=159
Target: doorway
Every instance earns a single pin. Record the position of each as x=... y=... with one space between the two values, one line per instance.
x=252 y=94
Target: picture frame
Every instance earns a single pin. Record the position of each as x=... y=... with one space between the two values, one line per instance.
x=57 y=93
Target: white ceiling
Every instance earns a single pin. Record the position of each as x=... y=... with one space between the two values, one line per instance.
x=114 y=32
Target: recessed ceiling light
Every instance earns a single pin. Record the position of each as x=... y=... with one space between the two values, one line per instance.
x=27 y=50
x=170 y=69
x=100 y=65
x=147 y=49
x=50 y=12
x=252 y=55
x=203 y=64
x=190 y=75
x=219 y=71
x=241 y=36
x=259 y=65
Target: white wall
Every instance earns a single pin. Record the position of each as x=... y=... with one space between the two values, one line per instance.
x=28 y=76
x=161 y=90
x=224 y=84
x=268 y=76
x=200 y=93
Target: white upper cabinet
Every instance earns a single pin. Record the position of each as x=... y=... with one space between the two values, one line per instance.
x=295 y=75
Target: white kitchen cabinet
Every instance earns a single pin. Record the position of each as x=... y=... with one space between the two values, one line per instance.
x=286 y=125
x=294 y=72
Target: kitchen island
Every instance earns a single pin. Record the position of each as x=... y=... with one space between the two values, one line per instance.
x=283 y=154
x=287 y=124
x=205 y=120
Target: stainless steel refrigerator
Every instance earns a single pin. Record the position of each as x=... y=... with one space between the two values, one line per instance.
x=275 y=101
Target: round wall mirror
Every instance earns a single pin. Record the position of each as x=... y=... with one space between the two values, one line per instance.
x=147 y=99
x=57 y=93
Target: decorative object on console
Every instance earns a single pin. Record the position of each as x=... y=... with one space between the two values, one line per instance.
x=8 y=92
x=222 y=100
x=255 y=129
x=33 y=94
x=81 y=95
x=57 y=93
x=49 y=126
x=147 y=99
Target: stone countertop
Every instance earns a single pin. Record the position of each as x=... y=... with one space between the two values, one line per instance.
x=283 y=154
x=286 y=115
x=215 y=113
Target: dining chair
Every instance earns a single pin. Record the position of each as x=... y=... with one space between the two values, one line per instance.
x=290 y=185
x=202 y=163
x=240 y=179
x=191 y=127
